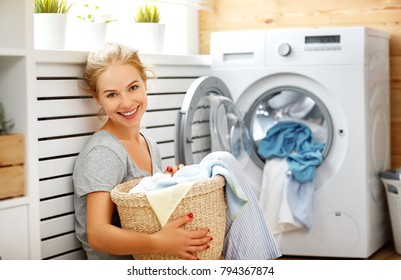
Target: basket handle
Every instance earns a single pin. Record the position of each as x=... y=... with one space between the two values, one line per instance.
x=392 y=189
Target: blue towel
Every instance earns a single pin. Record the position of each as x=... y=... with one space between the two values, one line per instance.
x=293 y=140
x=235 y=196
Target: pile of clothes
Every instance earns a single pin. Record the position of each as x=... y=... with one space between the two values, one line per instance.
x=291 y=159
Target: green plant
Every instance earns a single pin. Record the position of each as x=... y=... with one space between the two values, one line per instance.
x=94 y=14
x=147 y=13
x=51 y=6
x=5 y=126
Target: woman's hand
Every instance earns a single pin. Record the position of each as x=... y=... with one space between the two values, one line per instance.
x=174 y=239
x=173 y=169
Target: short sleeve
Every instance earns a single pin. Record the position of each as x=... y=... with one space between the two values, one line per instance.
x=98 y=170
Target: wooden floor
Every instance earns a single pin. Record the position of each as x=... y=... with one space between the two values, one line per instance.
x=387 y=252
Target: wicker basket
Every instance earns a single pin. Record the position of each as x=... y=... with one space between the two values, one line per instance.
x=205 y=200
x=393 y=192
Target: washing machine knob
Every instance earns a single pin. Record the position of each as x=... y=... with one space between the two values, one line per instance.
x=284 y=49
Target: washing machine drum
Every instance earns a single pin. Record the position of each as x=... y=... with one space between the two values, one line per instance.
x=209 y=121
x=284 y=107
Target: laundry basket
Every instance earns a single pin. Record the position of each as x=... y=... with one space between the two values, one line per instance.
x=205 y=199
x=392 y=184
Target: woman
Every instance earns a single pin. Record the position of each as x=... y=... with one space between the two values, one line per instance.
x=117 y=153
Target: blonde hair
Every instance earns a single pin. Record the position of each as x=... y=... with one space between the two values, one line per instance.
x=97 y=62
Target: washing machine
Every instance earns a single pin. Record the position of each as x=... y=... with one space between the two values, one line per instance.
x=335 y=80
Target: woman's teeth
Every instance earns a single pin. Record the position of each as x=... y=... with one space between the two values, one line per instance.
x=128 y=113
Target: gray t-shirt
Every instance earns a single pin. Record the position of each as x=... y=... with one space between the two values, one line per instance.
x=101 y=165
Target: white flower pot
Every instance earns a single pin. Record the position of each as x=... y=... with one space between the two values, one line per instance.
x=97 y=34
x=145 y=37
x=50 y=30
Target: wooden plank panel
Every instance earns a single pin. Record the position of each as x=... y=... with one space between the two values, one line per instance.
x=55 y=246
x=160 y=85
x=75 y=107
x=55 y=187
x=160 y=134
x=182 y=71
x=57 y=226
x=165 y=101
x=58 y=88
x=199 y=67
x=76 y=255
x=159 y=118
x=54 y=207
x=58 y=127
x=56 y=70
x=73 y=88
x=395 y=106
x=56 y=167
x=395 y=70
x=12 y=181
x=66 y=107
x=63 y=146
x=166 y=149
x=257 y=14
x=12 y=149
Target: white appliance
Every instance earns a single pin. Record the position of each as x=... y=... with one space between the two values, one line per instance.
x=335 y=78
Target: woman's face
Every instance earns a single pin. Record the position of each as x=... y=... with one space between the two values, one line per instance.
x=122 y=94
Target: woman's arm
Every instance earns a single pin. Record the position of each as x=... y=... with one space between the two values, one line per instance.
x=172 y=238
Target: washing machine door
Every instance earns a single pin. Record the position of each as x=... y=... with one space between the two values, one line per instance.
x=209 y=121
x=288 y=103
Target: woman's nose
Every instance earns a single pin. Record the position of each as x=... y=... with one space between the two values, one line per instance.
x=125 y=100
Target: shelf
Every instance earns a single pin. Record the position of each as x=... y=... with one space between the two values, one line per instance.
x=12 y=52
x=13 y=202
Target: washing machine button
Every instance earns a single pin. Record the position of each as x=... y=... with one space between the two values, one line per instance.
x=284 y=49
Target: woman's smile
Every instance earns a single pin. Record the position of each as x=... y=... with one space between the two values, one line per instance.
x=129 y=114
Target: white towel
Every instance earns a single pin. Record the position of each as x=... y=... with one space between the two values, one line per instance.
x=164 y=201
x=164 y=192
x=273 y=197
x=150 y=183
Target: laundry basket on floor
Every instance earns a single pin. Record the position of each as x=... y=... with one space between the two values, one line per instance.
x=392 y=184
x=205 y=199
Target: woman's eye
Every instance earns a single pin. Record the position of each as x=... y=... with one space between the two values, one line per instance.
x=134 y=87
x=110 y=95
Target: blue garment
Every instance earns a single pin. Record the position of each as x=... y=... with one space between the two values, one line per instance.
x=293 y=140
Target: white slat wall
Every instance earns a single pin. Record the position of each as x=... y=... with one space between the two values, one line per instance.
x=66 y=120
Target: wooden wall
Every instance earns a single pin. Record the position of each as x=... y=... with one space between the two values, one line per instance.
x=264 y=14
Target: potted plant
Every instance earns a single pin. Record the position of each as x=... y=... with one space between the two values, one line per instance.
x=12 y=157
x=148 y=31
x=50 y=23
x=96 y=24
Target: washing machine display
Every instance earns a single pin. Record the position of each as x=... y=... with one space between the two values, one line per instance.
x=334 y=81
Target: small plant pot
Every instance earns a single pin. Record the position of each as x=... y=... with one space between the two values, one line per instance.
x=146 y=37
x=50 y=30
x=97 y=34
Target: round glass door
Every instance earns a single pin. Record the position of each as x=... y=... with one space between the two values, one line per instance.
x=209 y=121
x=288 y=104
